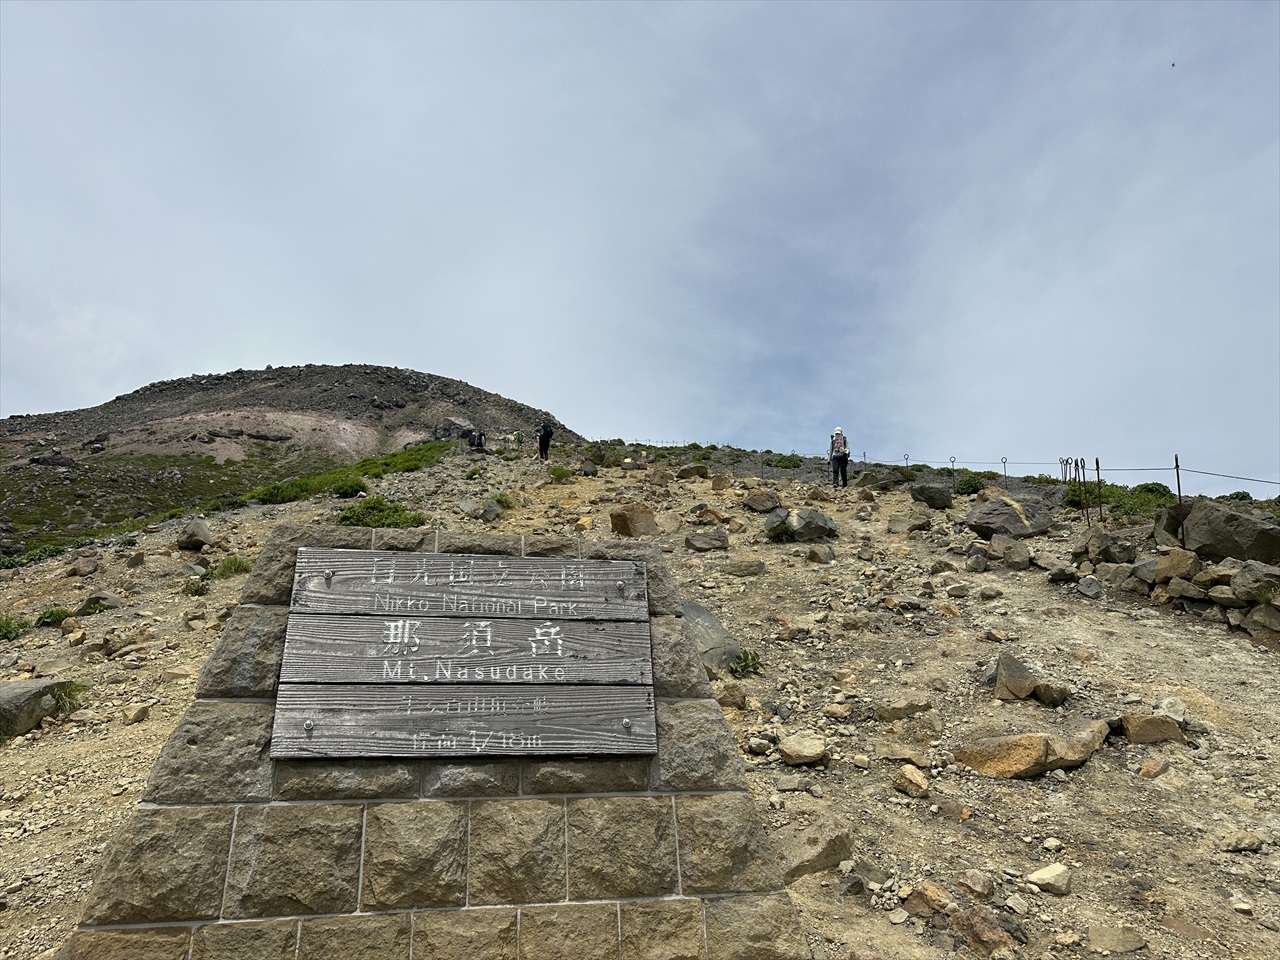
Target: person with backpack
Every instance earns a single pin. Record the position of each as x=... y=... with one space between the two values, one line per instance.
x=543 y=433
x=838 y=455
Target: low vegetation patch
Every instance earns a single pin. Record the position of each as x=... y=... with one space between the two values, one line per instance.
x=69 y=696
x=376 y=512
x=783 y=461
x=53 y=617
x=11 y=628
x=231 y=566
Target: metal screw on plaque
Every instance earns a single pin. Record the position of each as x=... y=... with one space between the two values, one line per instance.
x=308 y=725
x=328 y=575
x=622 y=588
x=626 y=723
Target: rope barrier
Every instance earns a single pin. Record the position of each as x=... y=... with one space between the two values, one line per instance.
x=953 y=463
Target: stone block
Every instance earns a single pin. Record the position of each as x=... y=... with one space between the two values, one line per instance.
x=663 y=930
x=755 y=928
x=294 y=859
x=377 y=937
x=166 y=864
x=466 y=934
x=809 y=847
x=216 y=754
x=696 y=749
x=246 y=661
x=415 y=855
x=621 y=847
x=517 y=851
x=163 y=944
x=498 y=779
x=347 y=779
x=262 y=940
x=1151 y=728
x=600 y=775
x=677 y=666
x=723 y=847
x=271 y=580
x=583 y=931
x=664 y=595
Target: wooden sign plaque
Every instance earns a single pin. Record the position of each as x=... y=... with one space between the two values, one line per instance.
x=391 y=654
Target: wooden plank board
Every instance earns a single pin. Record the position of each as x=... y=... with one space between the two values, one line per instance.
x=462 y=585
x=350 y=720
x=326 y=648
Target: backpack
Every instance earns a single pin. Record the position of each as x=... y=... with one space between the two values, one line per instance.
x=545 y=431
x=840 y=446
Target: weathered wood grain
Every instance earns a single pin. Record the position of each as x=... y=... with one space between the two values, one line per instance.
x=400 y=721
x=460 y=585
x=327 y=648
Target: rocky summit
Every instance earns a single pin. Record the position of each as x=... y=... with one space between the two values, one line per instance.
x=972 y=725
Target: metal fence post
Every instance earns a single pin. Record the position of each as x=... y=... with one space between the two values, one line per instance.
x=1097 y=465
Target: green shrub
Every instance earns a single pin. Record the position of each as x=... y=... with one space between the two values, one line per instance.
x=1243 y=496
x=968 y=482
x=559 y=474
x=348 y=487
x=1140 y=501
x=93 y=608
x=746 y=663
x=376 y=512
x=53 y=617
x=11 y=627
x=30 y=557
x=196 y=587
x=504 y=501
x=474 y=472
x=231 y=566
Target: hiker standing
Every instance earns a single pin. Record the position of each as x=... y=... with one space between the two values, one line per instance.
x=838 y=455
x=543 y=433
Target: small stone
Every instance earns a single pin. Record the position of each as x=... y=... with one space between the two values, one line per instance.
x=1151 y=728
x=135 y=713
x=899 y=916
x=1115 y=940
x=801 y=748
x=1153 y=767
x=911 y=780
x=1054 y=879
x=1018 y=905
x=1242 y=841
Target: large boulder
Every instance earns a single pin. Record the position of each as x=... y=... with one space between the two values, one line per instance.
x=1255 y=582
x=802 y=526
x=762 y=501
x=937 y=496
x=634 y=520
x=1216 y=531
x=24 y=703
x=716 y=645
x=1100 y=545
x=1026 y=755
x=999 y=512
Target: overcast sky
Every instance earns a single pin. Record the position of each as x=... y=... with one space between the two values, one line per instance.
x=970 y=230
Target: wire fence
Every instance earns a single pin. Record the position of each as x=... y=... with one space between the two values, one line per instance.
x=1065 y=468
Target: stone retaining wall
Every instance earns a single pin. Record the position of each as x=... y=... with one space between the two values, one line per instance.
x=231 y=856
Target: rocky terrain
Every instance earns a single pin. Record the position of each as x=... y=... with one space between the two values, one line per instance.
x=1137 y=810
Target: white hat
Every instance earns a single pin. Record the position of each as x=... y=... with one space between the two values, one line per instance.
x=838 y=430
